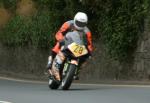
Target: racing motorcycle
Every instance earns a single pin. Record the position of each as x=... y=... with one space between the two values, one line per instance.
x=74 y=51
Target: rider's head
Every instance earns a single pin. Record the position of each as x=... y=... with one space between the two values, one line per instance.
x=80 y=20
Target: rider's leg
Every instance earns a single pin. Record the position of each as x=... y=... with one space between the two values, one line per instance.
x=58 y=61
x=54 y=52
x=81 y=62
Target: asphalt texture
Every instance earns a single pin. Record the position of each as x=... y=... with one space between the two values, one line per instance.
x=36 y=92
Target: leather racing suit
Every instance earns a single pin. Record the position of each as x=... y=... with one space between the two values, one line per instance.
x=66 y=27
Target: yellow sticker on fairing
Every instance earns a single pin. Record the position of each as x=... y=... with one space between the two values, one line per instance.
x=77 y=50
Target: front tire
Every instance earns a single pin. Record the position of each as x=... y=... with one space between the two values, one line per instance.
x=67 y=80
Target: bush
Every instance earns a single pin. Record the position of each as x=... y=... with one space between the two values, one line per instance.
x=119 y=23
x=122 y=27
x=34 y=31
x=52 y=5
x=9 y=4
x=15 y=32
x=41 y=30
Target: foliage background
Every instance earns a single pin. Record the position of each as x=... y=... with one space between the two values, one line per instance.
x=118 y=24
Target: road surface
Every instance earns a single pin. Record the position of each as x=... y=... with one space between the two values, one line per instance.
x=36 y=92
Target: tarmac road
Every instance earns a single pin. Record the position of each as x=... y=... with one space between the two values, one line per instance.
x=36 y=92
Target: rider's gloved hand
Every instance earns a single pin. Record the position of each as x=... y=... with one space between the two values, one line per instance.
x=62 y=42
x=90 y=55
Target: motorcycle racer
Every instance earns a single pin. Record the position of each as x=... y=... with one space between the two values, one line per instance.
x=78 y=24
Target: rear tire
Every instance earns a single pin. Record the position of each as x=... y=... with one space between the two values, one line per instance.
x=67 y=80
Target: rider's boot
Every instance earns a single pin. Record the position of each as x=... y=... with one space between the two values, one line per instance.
x=76 y=76
x=82 y=64
x=49 y=64
x=50 y=61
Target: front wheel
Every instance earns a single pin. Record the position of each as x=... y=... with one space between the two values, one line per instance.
x=67 y=80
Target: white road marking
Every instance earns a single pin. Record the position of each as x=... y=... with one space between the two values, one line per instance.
x=114 y=85
x=102 y=84
x=5 y=102
x=21 y=80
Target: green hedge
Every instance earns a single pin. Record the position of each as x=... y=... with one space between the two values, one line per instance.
x=32 y=31
x=121 y=26
x=15 y=32
x=118 y=23
x=9 y=4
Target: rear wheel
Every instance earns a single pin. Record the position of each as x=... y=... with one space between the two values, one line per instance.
x=67 y=80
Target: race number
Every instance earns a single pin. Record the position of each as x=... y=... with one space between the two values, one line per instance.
x=77 y=50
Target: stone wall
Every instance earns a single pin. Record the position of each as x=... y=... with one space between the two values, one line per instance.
x=142 y=55
x=23 y=62
x=30 y=63
x=29 y=60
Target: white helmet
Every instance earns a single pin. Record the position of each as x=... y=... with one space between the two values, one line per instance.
x=80 y=20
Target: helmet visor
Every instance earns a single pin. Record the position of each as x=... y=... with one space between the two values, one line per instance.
x=80 y=24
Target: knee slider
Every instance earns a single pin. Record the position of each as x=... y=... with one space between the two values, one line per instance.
x=58 y=61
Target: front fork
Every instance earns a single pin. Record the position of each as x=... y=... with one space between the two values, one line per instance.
x=75 y=62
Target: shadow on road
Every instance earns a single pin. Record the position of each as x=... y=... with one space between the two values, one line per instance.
x=83 y=89
x=89 y=88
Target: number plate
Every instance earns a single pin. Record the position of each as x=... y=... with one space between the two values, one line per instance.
x=77 y=50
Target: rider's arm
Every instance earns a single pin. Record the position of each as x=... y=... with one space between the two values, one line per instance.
x=60 y=34
x=89 y=39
